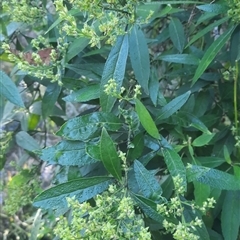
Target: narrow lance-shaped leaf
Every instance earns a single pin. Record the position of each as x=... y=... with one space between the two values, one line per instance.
x=213 y=177
x=137 y=148
x=176 y=32
x=82 y=189
x=59 y=20
x=114 y=69
x=174 y=164
x=149 y=207
x=67 y=153
x=76 y=47
x=203 y=140
x=84 y=94
x=89 y=70
x=109 y=156
x=50 y=98
x=84 y=127
x=139 y=57
x=180 y=58
x=201 y=192
x=147 y=182
x=211 y=53
x=69 y=187
x=154 y=86
x=9 y=90
x=27 y=142
x=189 y=216
x=235 y=46
x=214 y=8
x=146 y=120
x=173 y=106
x=207 y=29
x=230 y=217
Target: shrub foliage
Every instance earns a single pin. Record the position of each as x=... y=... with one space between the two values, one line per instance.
x=155 y=154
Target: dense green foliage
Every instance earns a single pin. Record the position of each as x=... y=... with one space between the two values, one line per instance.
x=156 y=152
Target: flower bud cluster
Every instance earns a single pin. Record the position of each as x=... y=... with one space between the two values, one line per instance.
x=113 y=217
x=175 y=209
x=34 y=64
x=183 y=231
x=25 y=11
x=179 y=185
x=101 y=21
x=5 y=139
x=112 y=89
x=230 y=73
x=234 y=10
x=236 y=136
x=20 y=195
x=123 y=157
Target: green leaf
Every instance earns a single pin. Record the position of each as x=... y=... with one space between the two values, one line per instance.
x=137 y=147
x=109 y=155
x=20 y=178
x=89 y=70
x=93 y=151
x=33 y=120
x=66 y=153
x=98 y=51
x=139 y=57
x=167 y=186
x=189 y=216
x=203 y=140
x=114 y=69
x=132 y=182
x=203 y=99
x=201 y=192
x=84 y=94
x=214 y=235
x=230 y=217
x=143 y=10
x=147 y=182
x=27 y=142
x=175 y=165
x=205 y=16
x=149 y=207
x=180 y=58
x=85 y=127
x=213 y=177
x=211 y=53
x=210 y=161
x=235 y=46
x=177 y=35
x=196 y=123
x=76 y=47
x=50 y=98
x=36 y=225
x=5 y=57
x=236 y=170
x=214 y=8
x=9 y=90
x=207 y=29
x=154 y=86
x=173 y=106
x=146 y=120
x=163 y=12
x=82 y=188
x=59 y=20
x=145 y=159
x=227 y=155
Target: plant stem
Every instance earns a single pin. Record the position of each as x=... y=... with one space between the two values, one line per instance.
x=235 y=98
